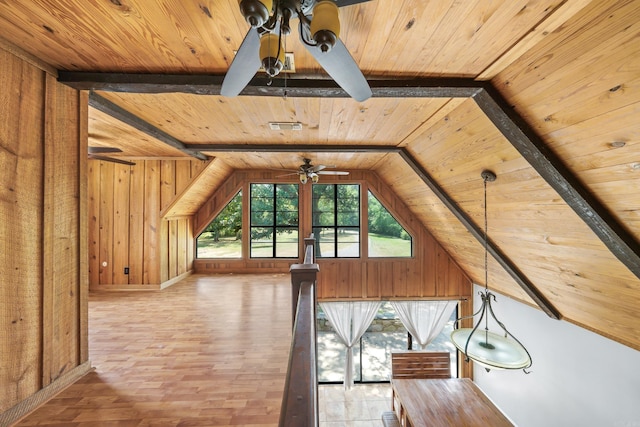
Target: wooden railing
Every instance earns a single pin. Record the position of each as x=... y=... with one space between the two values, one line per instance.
x=300 y=398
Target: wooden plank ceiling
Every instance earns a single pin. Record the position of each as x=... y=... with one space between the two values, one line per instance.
x=570 y=69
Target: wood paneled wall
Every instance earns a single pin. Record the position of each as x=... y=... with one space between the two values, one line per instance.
x=430 y=273
x=126 y=228
x=43 y=233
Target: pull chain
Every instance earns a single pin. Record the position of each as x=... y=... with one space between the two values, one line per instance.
x=284 y=67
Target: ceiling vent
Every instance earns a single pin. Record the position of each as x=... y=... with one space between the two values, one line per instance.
x=285 y=125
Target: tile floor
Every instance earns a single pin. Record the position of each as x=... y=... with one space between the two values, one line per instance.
x=362 y=406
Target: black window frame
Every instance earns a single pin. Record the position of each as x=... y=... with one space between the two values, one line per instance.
x=274 y=226
x=337 y=226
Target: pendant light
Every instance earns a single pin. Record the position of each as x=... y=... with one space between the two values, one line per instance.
x=489 y=349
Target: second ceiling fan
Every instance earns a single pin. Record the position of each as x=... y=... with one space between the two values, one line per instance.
x=308 y=172
x=319 y=31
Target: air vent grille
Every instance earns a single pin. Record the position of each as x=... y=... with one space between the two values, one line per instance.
x=285 y=125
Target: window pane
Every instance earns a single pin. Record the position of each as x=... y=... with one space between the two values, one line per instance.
x=262 y=203
x=223 y=236
x=287 y=242
x=348 y=242
x=323 y=205
x=348 y=205
x=285 y=204
x=324 y=219
x=323 y=191
x=289 y=191
x=349 y=218
x=287 y=218
x=261 y=218
x=348 y=191
x=325 y=241
x=262 y=242
x=387 y=238
x=262 y=190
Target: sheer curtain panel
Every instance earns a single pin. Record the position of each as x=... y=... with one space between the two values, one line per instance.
x=424 y=319
x=350 y=320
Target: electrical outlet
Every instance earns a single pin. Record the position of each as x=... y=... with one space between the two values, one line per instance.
x=126 y=270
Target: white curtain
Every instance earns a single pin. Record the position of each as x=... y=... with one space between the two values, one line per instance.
x=424 y=319
x=350 y=320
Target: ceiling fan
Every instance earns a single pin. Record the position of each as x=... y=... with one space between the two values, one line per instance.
x=319 y=32
x=307 y=172
x=96 y=153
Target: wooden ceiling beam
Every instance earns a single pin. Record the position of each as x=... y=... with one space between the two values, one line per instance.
x=119 y=113
x=502 y=259
x=259 y=86
x=292 y=148
x=548 y=165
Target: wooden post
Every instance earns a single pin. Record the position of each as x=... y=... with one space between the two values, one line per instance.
x=306 y=272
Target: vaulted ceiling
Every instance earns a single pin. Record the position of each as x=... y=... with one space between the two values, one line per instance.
x=545 y=93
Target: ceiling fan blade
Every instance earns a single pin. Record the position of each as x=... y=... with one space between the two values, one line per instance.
x=318 y=168
x=244 y=66
x=342 y=68
x=332 y=173
x=342 y=3
x=291 y=171
x=102 y=150
x=112 y=160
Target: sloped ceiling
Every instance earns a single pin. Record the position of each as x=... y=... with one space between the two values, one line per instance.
x=569 y=69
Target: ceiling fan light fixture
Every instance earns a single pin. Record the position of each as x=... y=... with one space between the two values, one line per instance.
x=271 y=54
x=256 y=12
x=303 y=179
x=325 y=24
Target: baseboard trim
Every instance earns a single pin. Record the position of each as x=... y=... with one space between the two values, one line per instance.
x=140 y=287
x=119 y=288
x=28 y=405
x=175 y=280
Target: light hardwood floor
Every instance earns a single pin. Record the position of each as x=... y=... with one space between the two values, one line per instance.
x=207 y=351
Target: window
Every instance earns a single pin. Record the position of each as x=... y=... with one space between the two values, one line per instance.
x=336 y=220
x=222 y=237
x=274 y=221
x=387 y=238
x=372 y=358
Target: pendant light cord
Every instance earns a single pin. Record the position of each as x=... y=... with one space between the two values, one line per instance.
x=486 y=263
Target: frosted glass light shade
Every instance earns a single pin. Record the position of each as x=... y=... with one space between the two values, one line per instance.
x=491 y=350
